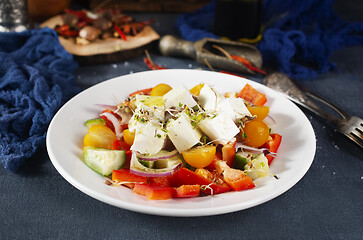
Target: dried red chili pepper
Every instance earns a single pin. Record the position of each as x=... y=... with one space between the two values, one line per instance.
x=248 y=64
x=150 y=63
x=120 y=32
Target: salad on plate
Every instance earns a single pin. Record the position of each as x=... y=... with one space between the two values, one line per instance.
x=165 y=142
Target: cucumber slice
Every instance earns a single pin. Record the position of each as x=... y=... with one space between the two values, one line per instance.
x=167 y=163
x=258 y=167
x=148 y=164
x=241 y=159
x=95 y=121
x=103 y=161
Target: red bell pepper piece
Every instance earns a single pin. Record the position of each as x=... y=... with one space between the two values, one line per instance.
x=228 y=152
x=272 y=145
x=187 y=191
x=171 y=181
x=121 y=145
x=235 y=178
x=249 y=93
x=216 y=158
x=145 y=91
x=188 y=177
x=242 y=183
x=130 y=179
x=154 y=191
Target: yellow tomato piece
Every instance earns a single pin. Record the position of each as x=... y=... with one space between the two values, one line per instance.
x=196 y=89
x=260 y=111
x=160 y=89
x=255 y=133
x=199 y=157
x=99 y=136
x=129 y=136
x=151 y=101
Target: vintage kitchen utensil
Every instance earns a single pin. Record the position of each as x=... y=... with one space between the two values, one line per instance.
x=205 y=52
x=350 y=126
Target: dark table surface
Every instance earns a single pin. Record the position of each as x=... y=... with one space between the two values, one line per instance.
x=327 y=203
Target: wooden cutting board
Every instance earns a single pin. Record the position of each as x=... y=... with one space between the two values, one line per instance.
x=107 y=50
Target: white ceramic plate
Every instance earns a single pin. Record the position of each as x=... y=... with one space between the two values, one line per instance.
x=66 y=132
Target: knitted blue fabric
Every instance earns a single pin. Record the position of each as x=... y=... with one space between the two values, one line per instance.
x=298 y=39
x=35 y=80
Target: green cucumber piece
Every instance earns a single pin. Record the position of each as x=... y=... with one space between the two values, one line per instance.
x=95 y=121
x=148 y=164
x=167 y=163
x=241 y=159
x=103 y=161
x=258 y=167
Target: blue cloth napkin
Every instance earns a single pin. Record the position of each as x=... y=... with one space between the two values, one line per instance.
x=35 y=80
x=298 y=39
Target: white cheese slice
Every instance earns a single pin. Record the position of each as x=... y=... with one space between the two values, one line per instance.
x=220 y=129
x=181 y=133
x=235 y=108
x=149 y=138
x=208 y=98
x=177 y=97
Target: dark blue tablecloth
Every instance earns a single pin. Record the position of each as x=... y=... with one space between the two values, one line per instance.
x=38 y=203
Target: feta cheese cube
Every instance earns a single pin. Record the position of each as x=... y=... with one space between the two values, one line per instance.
x=220 y=128
x=182 y=134
x=149 y=138
x=234 y=108
x=178 y=96
x=208 y=98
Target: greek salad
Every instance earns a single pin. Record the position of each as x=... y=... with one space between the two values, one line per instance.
x=171 y=142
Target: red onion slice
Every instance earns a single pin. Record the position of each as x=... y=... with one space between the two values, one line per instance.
x=160 y=155
x=105 y=106
x=137 y=168
x=269 y=120
x=115 y=122
x=265 y=151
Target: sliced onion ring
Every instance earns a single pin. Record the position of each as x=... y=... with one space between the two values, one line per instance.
x=105 y=106
x=160 y=155
x=265 y=151
x=115 y=122
x=269 y=120
x=137 y=168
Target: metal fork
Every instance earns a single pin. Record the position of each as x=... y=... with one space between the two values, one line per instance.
x=350 y=126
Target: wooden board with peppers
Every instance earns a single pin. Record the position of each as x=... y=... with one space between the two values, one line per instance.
x=102 y=36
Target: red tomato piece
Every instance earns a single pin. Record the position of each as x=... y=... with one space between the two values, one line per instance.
x=124 y=175
x=154 y=191
x=187 y=191
x=249 y=93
